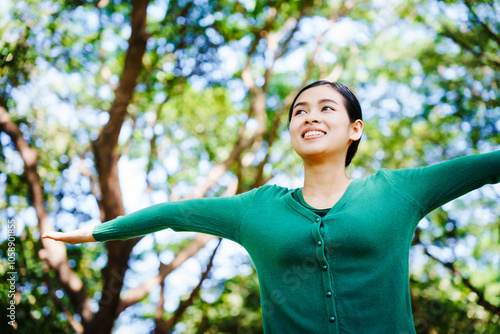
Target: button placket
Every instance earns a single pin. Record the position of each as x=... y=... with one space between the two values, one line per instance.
x=324 y=267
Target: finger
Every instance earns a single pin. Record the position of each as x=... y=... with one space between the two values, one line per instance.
x=47 y=235
x=52 y=235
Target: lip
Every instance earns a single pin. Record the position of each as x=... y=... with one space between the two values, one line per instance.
x=311 y=129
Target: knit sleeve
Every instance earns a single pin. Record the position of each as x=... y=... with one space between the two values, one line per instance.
x=432 y=186
x=217 y=216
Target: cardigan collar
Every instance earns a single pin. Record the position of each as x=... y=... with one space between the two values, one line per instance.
x=300 y=208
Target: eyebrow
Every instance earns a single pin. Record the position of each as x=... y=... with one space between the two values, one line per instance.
x=320 y=101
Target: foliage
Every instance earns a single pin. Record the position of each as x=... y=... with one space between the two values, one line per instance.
x=212 y=95
x=237 y=310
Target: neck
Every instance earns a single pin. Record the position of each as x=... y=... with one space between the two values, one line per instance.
x=324 y=183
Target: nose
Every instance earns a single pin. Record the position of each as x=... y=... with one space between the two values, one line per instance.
x=311 y=117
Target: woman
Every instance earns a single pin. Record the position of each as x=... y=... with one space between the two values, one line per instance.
x=331 y=257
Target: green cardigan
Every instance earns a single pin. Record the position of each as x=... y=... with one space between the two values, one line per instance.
x=346 y=272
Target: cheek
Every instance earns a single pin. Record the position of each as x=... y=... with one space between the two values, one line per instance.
x=292 y=130
x=293 y=137
x=345 y=123
x=293 y=140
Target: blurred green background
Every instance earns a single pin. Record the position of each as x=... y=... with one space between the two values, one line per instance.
x=108 y=106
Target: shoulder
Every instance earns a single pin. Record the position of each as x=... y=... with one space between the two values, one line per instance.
x=269 y=193
x=263 y=194
x=389 y=186
x=388 y=180
x=395 y=176
x=383 y=175
x=272 y=191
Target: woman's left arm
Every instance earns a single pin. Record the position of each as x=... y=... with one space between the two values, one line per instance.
x=432 y=186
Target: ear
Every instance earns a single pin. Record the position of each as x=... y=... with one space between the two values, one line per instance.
x=356 y=130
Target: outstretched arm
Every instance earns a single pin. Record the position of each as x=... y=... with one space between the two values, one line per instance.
x=79 y=236
x=432 y=186
x=216 y=216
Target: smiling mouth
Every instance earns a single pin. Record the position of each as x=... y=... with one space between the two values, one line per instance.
x=314 y=133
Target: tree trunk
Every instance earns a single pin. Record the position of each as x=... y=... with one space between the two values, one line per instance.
x=106 y=160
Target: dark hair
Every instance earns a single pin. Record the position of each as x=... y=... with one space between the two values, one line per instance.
x=351 y=103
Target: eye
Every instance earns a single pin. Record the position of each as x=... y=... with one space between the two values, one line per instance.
x=327 y=108
x=298 y=112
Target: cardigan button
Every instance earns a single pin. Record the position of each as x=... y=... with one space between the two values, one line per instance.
x=325 y=267
x=332 y=319
x=319 y=243
x=329 y=294
x=317 y=220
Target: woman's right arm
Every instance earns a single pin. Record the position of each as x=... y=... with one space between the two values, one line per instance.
x=216 y=216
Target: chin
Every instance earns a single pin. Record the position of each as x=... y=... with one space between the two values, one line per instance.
x=312 y=154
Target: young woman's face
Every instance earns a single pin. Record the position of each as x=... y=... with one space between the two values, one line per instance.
x=320 y=126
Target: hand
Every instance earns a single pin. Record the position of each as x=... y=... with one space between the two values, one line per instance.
x=74 y=237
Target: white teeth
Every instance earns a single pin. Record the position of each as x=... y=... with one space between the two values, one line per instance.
x=313 y=133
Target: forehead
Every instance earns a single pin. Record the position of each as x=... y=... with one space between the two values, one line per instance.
x=318 y=93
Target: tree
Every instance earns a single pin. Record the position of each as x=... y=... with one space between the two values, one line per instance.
x=196 y=94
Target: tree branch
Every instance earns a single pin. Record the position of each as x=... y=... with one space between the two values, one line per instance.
x=53 y=253
x=105 y=147
x=257 y=108
x=481 y=58
x=135 y=295
x=493 y=35
x=161 y=303
x=106 y=160
x=153 y=151
x=481 y=300
x=309 y=67
x=166 y=326
x=273 y=39
x=77 y=327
